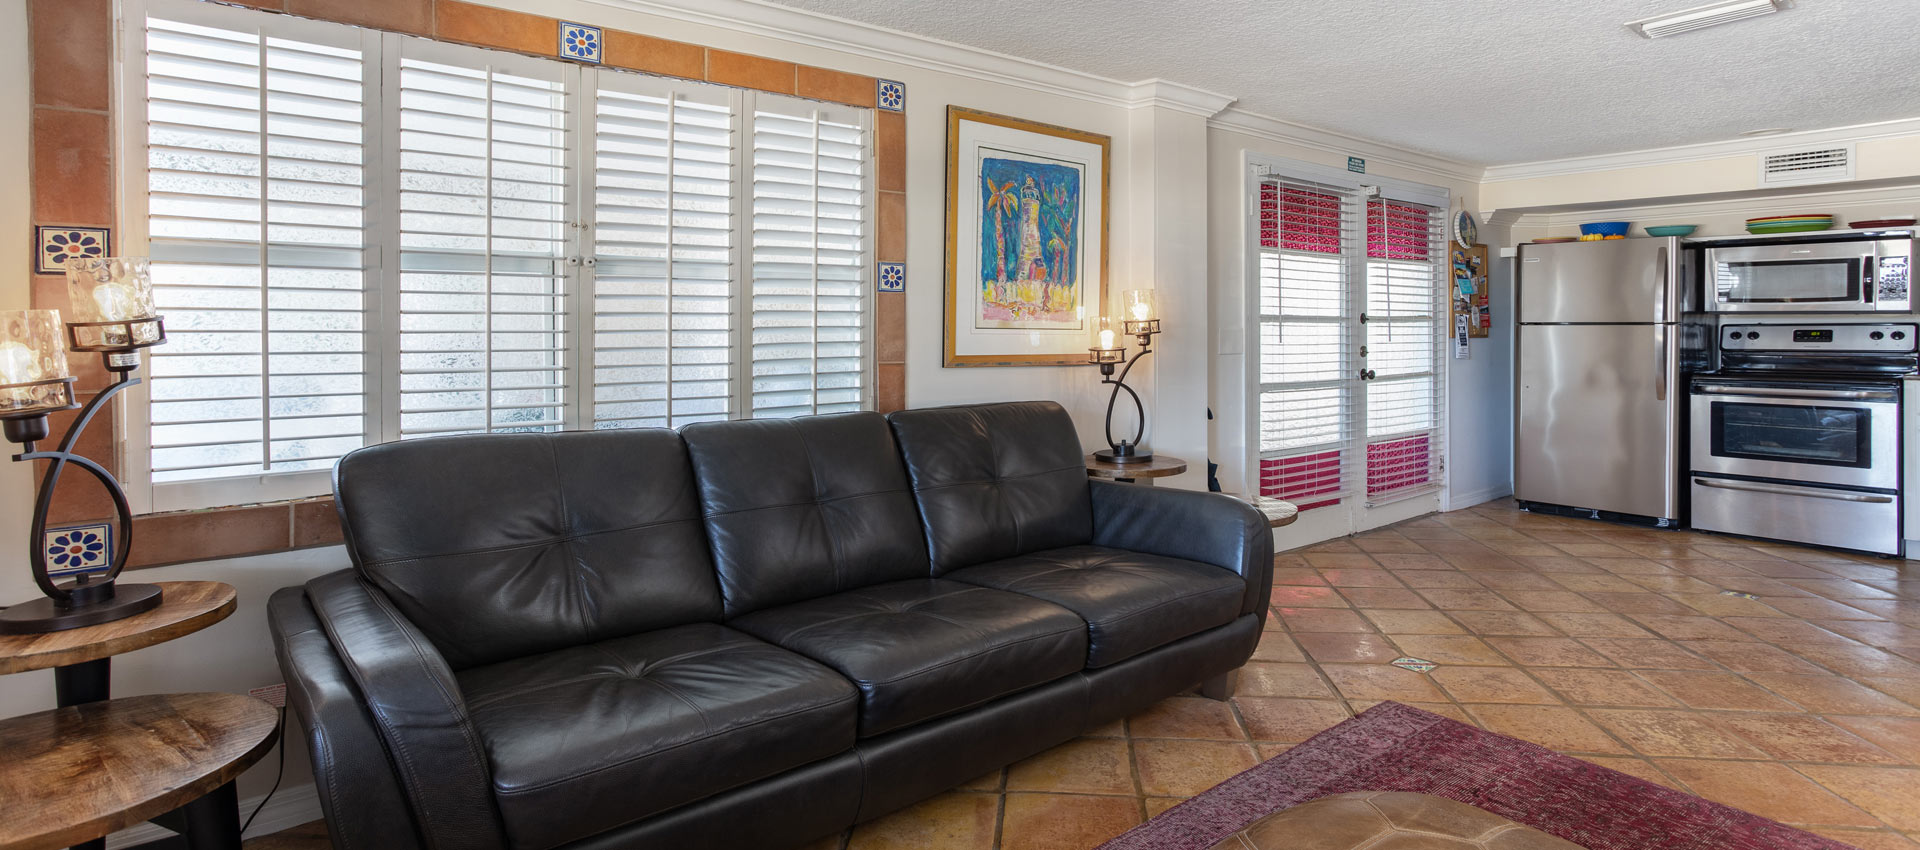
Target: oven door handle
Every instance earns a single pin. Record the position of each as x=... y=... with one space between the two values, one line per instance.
x=1783 y=490
x=1836 y=395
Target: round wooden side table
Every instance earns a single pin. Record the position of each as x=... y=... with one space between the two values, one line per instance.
x=75 y=774
x=81 y=657
x=1160 y=466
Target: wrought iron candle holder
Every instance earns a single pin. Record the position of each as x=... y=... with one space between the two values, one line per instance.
x=1110 y=354
x=114 y=297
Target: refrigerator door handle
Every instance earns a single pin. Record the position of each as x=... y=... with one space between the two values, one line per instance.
x=1665 y=291
x=1659 y=362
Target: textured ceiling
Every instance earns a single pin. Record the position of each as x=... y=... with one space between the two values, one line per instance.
x=1487 y=82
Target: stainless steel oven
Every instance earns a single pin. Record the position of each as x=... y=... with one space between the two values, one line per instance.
x=1797 y=435
x=1850 y=272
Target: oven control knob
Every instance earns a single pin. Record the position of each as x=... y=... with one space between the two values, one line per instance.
x=1899 y=334
x=1875 y=335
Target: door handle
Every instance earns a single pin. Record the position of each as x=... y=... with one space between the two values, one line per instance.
x=1783 y=490
x=1660 y=362
x=1835 y=395
x=1666 y=289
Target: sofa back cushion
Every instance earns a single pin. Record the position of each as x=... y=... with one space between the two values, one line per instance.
x=802 y=508
x=504 y=545
x=995 y=480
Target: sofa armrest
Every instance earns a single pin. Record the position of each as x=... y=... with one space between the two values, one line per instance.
x=416 y=705
x=359 y=792
x=1211 y=528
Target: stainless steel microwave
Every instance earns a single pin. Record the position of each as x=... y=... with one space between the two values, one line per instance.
x=1815 y=273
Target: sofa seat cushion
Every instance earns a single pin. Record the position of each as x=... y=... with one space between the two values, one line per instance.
x=924 y=648
x=1132 y=602
x=585 y=739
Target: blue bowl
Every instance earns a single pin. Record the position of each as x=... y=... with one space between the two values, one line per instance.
x=1605 y=228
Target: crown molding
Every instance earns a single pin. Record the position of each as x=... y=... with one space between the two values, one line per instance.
x=1288 y=132
x=1747 y=205
x=1701 y=151
x=1180 y=97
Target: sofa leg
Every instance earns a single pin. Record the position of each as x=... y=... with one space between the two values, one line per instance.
x=1221 y=687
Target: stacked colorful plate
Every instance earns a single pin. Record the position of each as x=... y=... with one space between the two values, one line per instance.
x=1788 y=223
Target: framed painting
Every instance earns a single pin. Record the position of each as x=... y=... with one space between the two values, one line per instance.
x=1026 y=240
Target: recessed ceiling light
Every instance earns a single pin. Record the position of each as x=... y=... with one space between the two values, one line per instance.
x=1705 y=16
x=1768 y=131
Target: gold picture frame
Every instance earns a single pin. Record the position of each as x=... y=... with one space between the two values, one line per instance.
x=1030 y=309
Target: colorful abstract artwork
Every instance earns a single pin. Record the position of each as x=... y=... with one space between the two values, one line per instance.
x=1029 y=243
x=1026 y=240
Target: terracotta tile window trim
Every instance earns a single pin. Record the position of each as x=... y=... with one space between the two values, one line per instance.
x=73 y=172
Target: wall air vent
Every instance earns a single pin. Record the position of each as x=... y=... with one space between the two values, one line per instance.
x=1705 y=16
x=1823 y=164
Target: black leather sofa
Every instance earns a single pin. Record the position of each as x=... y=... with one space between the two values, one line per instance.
x=745 y=634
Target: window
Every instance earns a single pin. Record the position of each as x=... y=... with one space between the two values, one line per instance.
x=1348 y=343
x=360 y=237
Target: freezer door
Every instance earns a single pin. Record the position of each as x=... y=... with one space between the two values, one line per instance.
x=1623 y=280
x=1597 y=418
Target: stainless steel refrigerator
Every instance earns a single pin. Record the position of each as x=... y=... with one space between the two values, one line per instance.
x=1598 y=396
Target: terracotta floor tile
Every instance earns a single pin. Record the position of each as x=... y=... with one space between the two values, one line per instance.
x=1640 y=602
x=1186 y=768
x=1412 y=562
x=1465 y=600
x=1339 y=647
x=1832 y=694
x=1381 y=681
x=1522 y=547
x=1503 y=623
x=1599 y=625
x=1672 y=733
x=1081 y=766
x=1156 y=805
x=1880 y=839
x=1415 y=622
x=1341 y=560
x=1361 y=578
x=1414 y=531
x=1322 y=620
x=1368 y=598
x=1593 y=550
x=1307 y=597
x=1768 y=790
x=1647 y=654
x=1814 y=608
x=1751 y=657
x=1687 y=591
x=1448 y=649
x=1722 y=691
x=1858 y=660
x=1687 y=628
x=1839 y=589
x=1260 y=679
x=1064 y=822
x=1890 y=794
x=1603 y=687
x=1897 y=735
x=1288 y=720
x=1187 y=717
x=1277 y=646
x=1437 y=578
x=1717 y=604
x=1493 y=685
x=1552 y=726
x=1904 y=689
x=1302 y=577
x=1874 y=632
x=1597 y=583
x=1384 y=544
x=1333 y=546
x=1804 y=737
x=1635 y=767
x=1785 y=632
x=1267 y=750
x=1542 y=601
x=994 y=781
x=1558 y=565
x=1444 y=709
x=1489 y=561
x=1549 y=652
x=1640 y=570
x=1515 y=581
x=952 y=821
x=1116 y=729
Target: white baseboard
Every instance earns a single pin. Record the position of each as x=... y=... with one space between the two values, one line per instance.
x=289 y=807
x=1456 y=501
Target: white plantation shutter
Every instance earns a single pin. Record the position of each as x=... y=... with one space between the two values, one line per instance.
x=255 y=219
x=1307 y=397
x=1406 y=264
x=810 y=258
x=483 y=241
x=663 y=240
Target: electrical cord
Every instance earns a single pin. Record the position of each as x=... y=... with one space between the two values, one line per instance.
x=278 y=773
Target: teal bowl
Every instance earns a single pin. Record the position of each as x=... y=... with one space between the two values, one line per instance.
x=1672 y=230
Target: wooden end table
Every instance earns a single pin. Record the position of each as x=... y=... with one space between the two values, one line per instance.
x=1160 y=466
x=74 y=774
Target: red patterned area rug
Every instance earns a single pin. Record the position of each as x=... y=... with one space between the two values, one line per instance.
x=1393 y=747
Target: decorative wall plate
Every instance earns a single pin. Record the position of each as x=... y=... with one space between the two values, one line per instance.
x=1465 y=230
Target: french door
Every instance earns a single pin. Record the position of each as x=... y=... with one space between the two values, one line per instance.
x=1350 y=383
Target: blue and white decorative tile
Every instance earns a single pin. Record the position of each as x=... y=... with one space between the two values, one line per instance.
x=579 y=41
x=893 y=277
x=892 y=96
x=58 y=244
x=79 y=549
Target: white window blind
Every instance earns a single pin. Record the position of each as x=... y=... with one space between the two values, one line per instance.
x=483 y=237
x=362 y=236
x=255 y=198
x=663 y=248
x=1405 y=256
x=809 y=282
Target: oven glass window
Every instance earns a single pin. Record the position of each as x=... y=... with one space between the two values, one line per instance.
x=1792 y=433
x=1788 y=281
